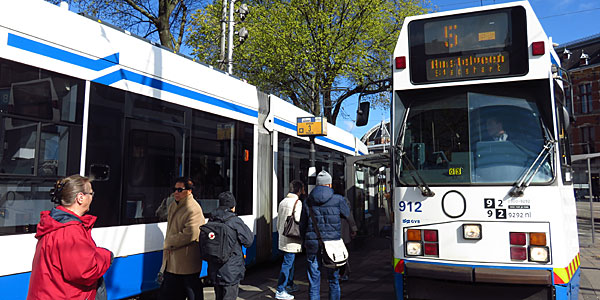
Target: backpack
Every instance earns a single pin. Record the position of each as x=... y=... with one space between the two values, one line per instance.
x=217 y=240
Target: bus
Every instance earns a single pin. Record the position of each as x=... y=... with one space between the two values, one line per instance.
x=482 y=182
x=78 y=96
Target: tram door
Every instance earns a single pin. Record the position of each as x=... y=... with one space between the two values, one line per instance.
x=153 y=158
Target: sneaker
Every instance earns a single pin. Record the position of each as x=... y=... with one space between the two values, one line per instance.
x=283 y=295
x=292 y=288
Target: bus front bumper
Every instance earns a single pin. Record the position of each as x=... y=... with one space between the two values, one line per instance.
x=479 y=274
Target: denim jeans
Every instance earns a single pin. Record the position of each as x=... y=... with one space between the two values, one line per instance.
x=286 y=275
x=314 y=278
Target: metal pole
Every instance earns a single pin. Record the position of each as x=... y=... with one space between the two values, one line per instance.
x=591 y=196
x=230 y=52
x=312 y=170
x=223 y=34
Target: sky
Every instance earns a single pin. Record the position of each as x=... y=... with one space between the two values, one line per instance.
x=563 y=20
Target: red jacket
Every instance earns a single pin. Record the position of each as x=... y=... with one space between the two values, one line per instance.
x=67 y=264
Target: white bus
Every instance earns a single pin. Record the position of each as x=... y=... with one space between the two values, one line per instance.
x=81 y=97
x=483 y=198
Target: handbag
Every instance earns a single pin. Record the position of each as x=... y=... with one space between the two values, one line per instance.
x=291 y=228
x=333 y=253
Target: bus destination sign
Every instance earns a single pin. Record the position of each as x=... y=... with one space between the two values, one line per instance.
x=466 y=66
x=468 y=46
x=311 y=126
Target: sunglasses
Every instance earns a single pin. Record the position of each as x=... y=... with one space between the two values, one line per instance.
x=179 y=190
x=92 y=193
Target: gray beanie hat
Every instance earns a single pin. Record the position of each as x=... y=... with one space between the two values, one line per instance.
x=226 y=199
x=323 y=178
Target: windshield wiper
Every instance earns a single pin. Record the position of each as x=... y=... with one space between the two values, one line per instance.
x=523 y=182
x=425 y=190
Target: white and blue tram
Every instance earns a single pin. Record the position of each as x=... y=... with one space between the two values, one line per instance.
x=79 y=96
x=483 y=196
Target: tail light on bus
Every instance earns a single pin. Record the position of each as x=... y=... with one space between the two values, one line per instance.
x=400 y=62
x=537 y=48
x=533 y=249
x=422 y=242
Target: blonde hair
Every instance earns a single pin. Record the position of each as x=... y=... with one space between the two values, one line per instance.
x=66 y=189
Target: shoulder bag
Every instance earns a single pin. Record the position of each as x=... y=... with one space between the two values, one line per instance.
x=333 y=253
x=291 y=228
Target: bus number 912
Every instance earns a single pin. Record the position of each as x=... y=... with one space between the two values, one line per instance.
x=411 y=206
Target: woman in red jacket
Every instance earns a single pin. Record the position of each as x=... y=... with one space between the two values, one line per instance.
x=67 y=264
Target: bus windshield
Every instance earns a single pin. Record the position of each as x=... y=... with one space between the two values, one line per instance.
x=468 y=135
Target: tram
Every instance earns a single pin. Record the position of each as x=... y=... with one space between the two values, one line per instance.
x=78 y=96
x=483 y=197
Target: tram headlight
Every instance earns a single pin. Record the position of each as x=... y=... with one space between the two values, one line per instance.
x=472 y=231
x=539 y=254
x=414 y=248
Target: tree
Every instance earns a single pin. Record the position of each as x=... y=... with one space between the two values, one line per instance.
x=313 y=53
x=166 y=18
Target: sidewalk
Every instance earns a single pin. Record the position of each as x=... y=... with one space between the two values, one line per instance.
x=371 y=276
x=590 y=272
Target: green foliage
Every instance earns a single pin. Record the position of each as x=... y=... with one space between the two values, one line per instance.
x=314 y=53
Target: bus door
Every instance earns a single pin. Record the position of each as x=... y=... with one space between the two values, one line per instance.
x=153 y=158
x=363 y=191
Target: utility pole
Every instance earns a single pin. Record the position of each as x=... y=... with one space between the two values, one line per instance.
x=311 y=127
x=227 y=37
x=223 y=34
x=230 y=52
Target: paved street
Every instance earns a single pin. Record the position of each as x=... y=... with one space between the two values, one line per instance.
x=590 y=253
x=372 y=276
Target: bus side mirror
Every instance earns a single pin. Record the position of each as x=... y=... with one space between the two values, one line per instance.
x=567 y=118
x=362 y=114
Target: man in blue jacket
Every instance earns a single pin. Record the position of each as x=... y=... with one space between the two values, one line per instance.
x=328 y=209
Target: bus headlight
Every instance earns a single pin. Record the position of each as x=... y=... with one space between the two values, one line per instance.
x=472 y=231
x=414 y=248
x=539 y=254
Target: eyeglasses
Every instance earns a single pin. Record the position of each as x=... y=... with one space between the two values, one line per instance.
x=92 y=193
x=179 y=189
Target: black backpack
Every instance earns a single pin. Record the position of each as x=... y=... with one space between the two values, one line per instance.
x=217 y=240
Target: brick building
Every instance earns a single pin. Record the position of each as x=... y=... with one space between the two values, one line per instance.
x=582 y=60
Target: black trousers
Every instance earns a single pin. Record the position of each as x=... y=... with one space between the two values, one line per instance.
x=226 y=292
x=180 y=287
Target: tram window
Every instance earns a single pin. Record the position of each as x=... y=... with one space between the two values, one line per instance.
x=20 y=137
x=40 y=138
x=476 y=134
x=21 y=141
x=152 y=162
x=105 y=147
x=151 y=109
x=40 y=94
x=436 y=140
x=293 y=163
x=506 y=138
x=221 y=160
x=21 y=202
